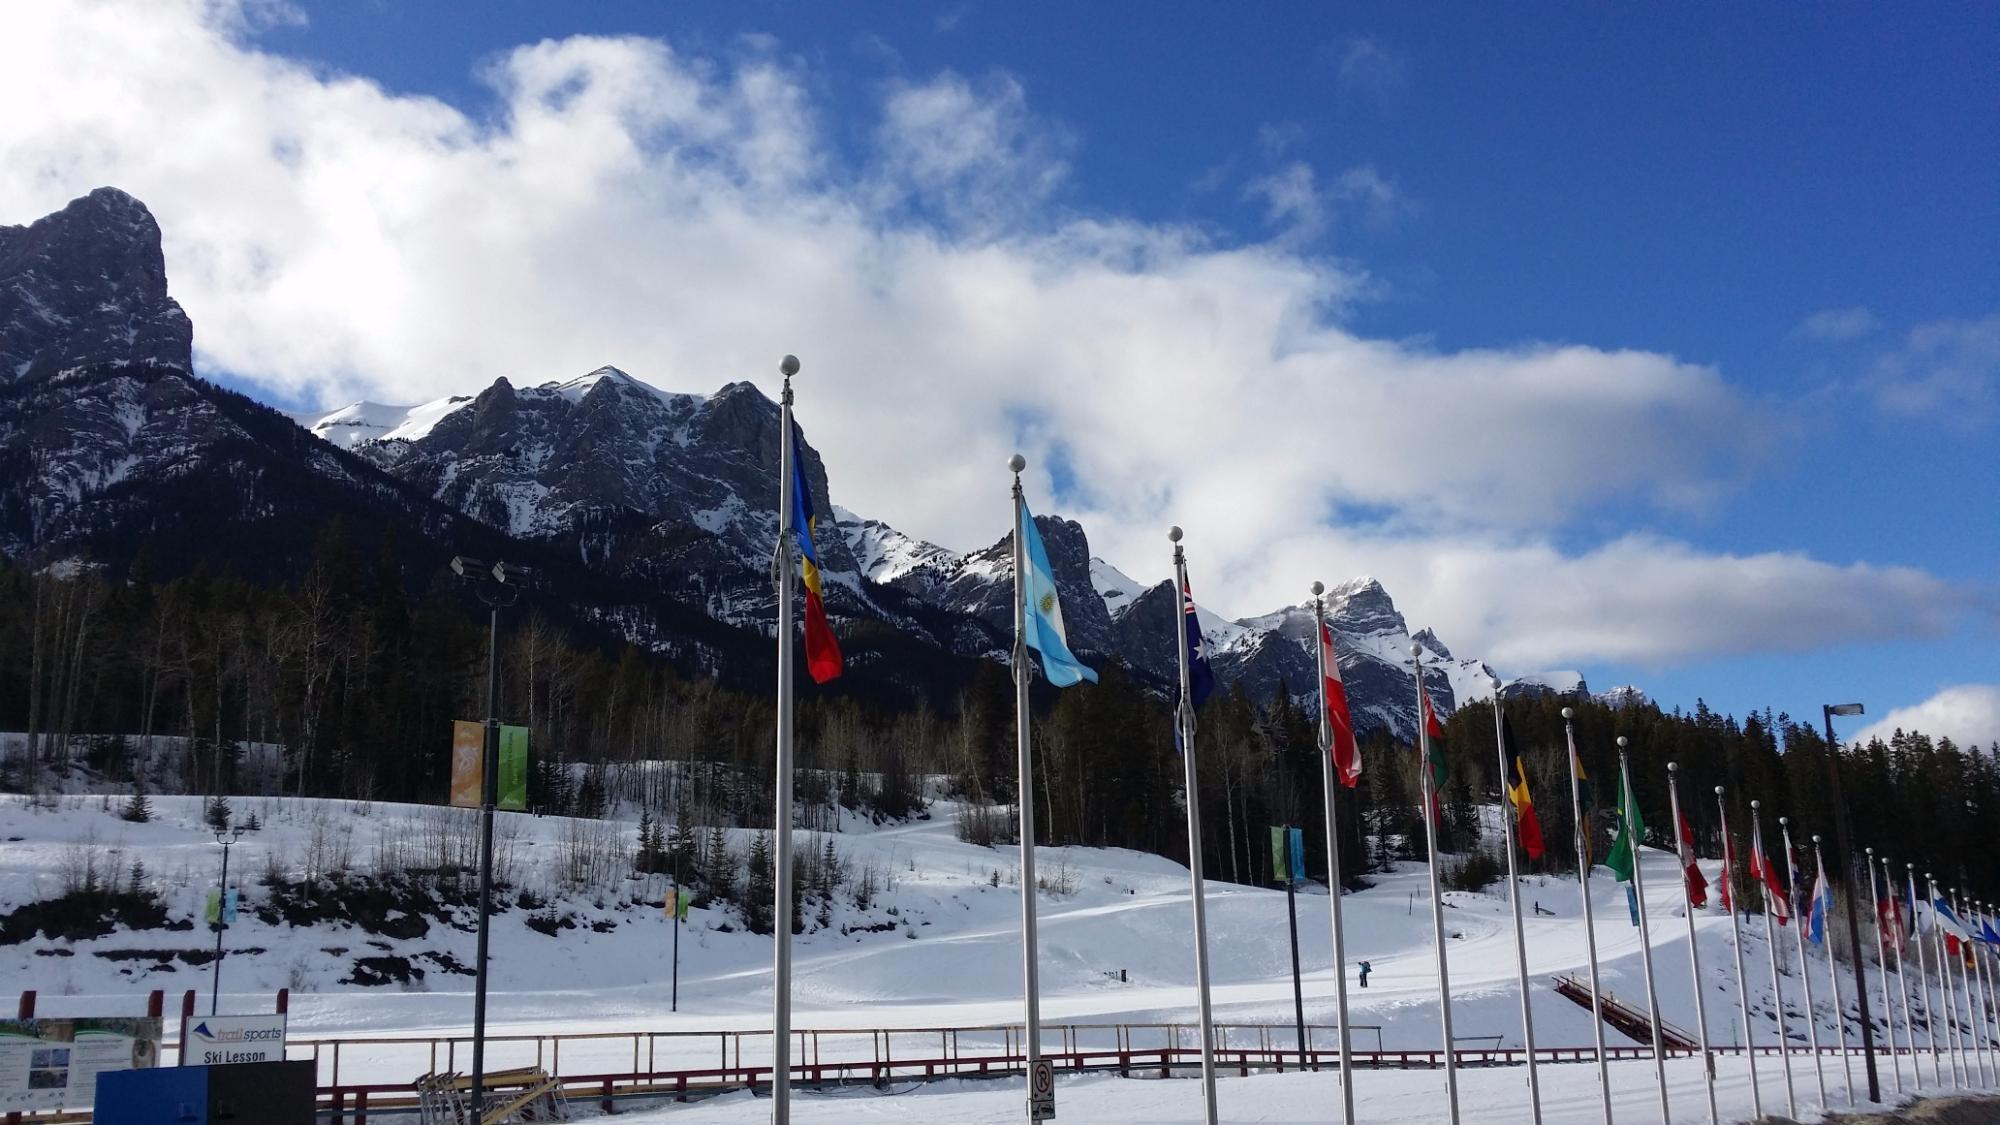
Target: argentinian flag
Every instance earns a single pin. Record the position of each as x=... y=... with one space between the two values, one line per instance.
x=1042 y=625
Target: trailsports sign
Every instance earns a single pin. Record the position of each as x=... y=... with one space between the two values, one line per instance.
x=214 y=1040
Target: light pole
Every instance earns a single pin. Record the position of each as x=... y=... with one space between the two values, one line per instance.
x=499 y=593
x=227 y=840
x=1842 y=865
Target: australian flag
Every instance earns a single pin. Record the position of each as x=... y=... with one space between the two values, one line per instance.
x=1201 y=679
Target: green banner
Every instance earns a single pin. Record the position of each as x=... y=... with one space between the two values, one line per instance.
x=1278 y=872
x=513 y=792
x=685 y=899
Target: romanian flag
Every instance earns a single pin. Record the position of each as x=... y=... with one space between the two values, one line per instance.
x=822 y=651
x=1527 y=825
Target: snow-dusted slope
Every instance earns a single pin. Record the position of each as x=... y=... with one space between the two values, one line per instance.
x=937 y=946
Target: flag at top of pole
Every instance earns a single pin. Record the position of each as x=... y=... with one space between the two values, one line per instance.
x=1631 y=830
x=1527 y=825
x=1339 y=722
x=823 y=660
x=1822 y=901
x=1697 y=884
x=1433 y=748
x=1766 y=878
x=1042 y=623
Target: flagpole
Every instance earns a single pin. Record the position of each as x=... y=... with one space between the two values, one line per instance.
x=1959 y=1069
x=1694 y=947
x=1882 y=958
x=1903 y=982
x=781 y=969
x=1433 y=806
x=1645 y=935
x=1987 y=973
x=1833 y=973
x=1736 y=943
x=1185 y=717
x=1981 y=995
x=1975 y=987
x=1771 y=940
x=1333 y=861
x=1805 y=976
x=1582 y=832
x=1031 y=1031
x=1924 y=979
x=1514 y=900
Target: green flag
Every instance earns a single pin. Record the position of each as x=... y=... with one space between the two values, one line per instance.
x=1279 y=873
x=681 y=909
x=1631 y=829
x=513 y=788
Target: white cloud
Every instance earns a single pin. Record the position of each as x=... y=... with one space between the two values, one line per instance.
x=1369 y=66
x=1947 y=369
x=689 y=220
x=1968 y=714
x=1836 y=326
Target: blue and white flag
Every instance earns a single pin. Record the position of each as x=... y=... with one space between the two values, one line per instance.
x=1042 y=625
x=1822 y=901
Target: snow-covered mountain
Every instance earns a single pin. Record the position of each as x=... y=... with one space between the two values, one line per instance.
x=654 y=502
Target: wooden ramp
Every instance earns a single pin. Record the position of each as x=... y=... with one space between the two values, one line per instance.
x=1630 y=1021
x=523 y=1095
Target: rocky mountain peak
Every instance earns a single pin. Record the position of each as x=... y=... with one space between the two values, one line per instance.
x=88 y=284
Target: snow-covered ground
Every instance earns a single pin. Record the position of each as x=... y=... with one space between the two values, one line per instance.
x=938 y=947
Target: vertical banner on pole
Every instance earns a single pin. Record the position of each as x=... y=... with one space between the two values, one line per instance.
x=1297 y=852
x=1736 y=944
x=468 y=755
x=513 y=793
x=1280 y=872
x=1336 y=745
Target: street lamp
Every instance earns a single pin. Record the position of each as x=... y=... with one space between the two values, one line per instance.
x=1843 y=865
x=501 y=591
x=227 y=840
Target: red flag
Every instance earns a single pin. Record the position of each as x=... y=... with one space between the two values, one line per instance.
x=1762 y=874
x=1346 y=755
x=1697 y=887
x=1728 y=873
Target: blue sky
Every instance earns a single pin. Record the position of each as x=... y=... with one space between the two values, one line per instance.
x=1795 y=208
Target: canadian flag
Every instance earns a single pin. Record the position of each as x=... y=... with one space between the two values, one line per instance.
x=1346 y=755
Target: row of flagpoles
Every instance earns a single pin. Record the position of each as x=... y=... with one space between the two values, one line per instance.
x=1038 y=625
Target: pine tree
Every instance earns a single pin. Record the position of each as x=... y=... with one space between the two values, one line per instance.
x=138 y=810
x=759 y=892
x=218 y=813
x=642 y=860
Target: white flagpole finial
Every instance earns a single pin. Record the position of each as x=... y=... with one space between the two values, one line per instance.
x=1815 y=837
x=1416 y=650
x=1622 y=740
x=1016 y=463
x=788 y=366
x=1784 y=820
x=1569 y=713
x=1756 y=804
x=1318 y=588
x=1718 y=790
x=1672 y=766
x=1174 y=534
